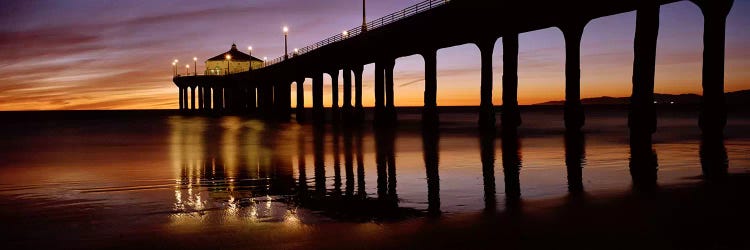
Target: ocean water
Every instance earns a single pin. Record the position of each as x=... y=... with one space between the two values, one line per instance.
x=144 y=179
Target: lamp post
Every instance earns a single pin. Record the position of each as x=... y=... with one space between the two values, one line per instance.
x=265 y=61
x=345 y=34
x=187 y=69
x=229 y=58
x=195 y=66
x=296 y=51
x=364 y=15
x=286 y=34
x=174 y=66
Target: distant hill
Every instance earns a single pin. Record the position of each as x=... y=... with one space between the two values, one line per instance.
x=741 y=97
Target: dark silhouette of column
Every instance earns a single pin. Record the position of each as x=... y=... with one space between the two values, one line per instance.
x=487 y=150
x=262 y=98
x=182 y=104
x=573 y=32
x=281 y=101
x=575 y=157
x=431 y=155
x=218 y=98
x=185 y=99
x=379 y=86
x=358 y=87
x=389 y=98
x=347 y=89
x=713 y=116
x=430 y=81
x=714 y=159
x=208 y=100
x=644 y=164
x=300 y=99
x=192 y=97
x=487 y=109
x=318 y=96
x=277 y=109
x=200 y=98
x=228 y=98
x=642 y=117
x=334 y=90
x=511 y=116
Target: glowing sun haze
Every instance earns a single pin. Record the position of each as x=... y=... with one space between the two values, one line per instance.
x=81 y=54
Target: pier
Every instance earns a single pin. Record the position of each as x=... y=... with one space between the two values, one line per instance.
x=429 y=26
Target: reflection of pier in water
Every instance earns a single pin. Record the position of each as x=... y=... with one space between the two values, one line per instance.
x=242 y=163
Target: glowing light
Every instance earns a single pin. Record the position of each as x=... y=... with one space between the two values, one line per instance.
x=195 y=59
x=228 y=57
x=286 y=29
x=345 y=33
x=296 y=50
x=250 y=48
x=187 y=66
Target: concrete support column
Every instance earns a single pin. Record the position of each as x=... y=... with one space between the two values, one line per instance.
x=642 y=117
x=318 y=95
x=286 y=99
x=192 y=98
x=334 y=89
x=218 y=98
x=511 y=116
x=300 y=99
x=185 y=104
x=379 y=86
x=487 y=109
x=277 y=98
x=389 y=97
x=358 y=86
x=713 y=116
x=574 y=117
x=208 y=98
x=200 y=97
x=347 y=89
x=261 y=98
x=182 y=104
x=430 y=80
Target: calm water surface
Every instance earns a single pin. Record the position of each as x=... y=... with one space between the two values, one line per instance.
x=153 y=179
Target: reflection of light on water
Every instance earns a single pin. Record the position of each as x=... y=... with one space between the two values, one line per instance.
x=268 y=203
x=291 y=218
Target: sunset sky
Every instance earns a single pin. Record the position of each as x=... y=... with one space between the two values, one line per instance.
x=87 y=54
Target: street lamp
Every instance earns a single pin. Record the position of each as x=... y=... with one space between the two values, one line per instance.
x=229 y=58
x=345 y=34
x=286 y=34
x=195 y=64
x=250 y=50
x=265 y=59
x=364 y=15
x=174 y=68
x=296 y=51
x=187 y=69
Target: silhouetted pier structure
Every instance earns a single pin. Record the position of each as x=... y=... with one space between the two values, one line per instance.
x=435 y=24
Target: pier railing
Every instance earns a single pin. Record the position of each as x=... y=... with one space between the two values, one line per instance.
x=372 y=25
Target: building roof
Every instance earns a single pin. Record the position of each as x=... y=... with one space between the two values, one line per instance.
x=236 y=56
